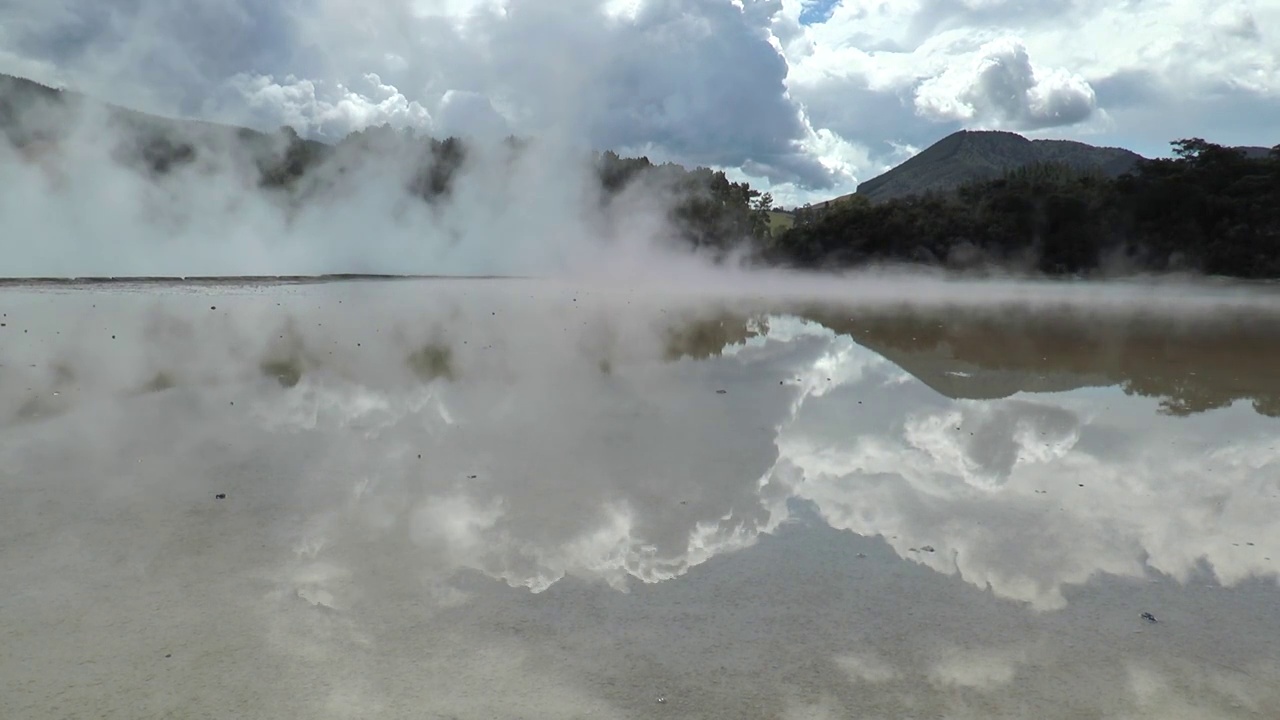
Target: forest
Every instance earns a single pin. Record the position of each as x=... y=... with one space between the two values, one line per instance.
x=1208 y=209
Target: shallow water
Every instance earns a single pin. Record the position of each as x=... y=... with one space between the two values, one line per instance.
x=513 y=499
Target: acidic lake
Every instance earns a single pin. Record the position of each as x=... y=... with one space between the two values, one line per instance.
x=496 y=498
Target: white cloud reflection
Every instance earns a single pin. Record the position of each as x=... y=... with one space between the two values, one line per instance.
x=370 y=511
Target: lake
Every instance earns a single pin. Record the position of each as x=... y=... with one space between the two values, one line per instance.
x=898 y=498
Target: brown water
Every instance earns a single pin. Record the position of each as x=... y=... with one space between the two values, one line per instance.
x=493 y=499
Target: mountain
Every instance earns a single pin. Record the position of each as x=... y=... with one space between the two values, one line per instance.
x=971 y=155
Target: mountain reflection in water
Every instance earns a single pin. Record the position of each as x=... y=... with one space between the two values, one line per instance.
x=518 y=500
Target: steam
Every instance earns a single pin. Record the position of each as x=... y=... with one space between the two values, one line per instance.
x=78 y=209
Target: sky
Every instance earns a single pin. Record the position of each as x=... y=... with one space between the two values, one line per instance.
x=801 y=97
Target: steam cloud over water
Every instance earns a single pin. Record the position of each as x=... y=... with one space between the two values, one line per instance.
x=78 y=208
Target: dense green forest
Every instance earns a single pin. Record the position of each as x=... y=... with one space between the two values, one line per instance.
x=1209 y=209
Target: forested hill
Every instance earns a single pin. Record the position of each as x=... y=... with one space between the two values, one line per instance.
x=970 y=155
x=705 y=208
x=1210 y=209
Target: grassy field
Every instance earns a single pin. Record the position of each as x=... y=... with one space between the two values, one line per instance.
x=780 y=222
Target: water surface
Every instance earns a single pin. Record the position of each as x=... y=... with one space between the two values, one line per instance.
x=485 y=498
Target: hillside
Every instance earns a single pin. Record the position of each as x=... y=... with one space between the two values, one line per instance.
x=1210 y=208
x=971 y=155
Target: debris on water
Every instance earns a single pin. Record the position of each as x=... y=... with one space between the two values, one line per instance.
x=721 y=392
x=1149 y=617
x=168 y=655
x=662 y=699
x=472 y=477
x=220 y=496
x=928 y=548
x=861 y=555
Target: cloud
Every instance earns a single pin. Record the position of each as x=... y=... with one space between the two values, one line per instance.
x=1000 y=88
x=809 y=97
x=328 y=113
x=675 y=77
x=470 y=115
x=1236 y=20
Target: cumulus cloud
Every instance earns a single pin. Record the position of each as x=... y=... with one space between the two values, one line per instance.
x=1236 y=19
x=1000 y=88
x=755 y=86
x=329 y=113
x=701 y=82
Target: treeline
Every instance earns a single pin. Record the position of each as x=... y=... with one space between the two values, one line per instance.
x=1209 y=209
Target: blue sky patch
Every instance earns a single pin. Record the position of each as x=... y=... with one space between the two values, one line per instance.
x=816 y=12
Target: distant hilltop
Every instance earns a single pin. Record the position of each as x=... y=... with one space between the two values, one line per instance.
x=974 y=155
x=971 y=155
